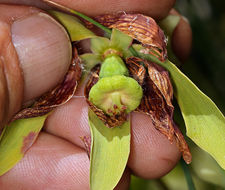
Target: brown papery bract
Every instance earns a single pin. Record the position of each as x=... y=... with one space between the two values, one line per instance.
x=141 y=28
x=59 y=95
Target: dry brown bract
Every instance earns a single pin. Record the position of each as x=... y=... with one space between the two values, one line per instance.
x=141 y=28
x=156 y=101
x=58 y=96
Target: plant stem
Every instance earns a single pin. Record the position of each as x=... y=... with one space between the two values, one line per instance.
x=107 y=30
x=133 y=51
x=187 y=174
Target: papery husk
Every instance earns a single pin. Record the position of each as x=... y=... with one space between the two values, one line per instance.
x=87 y=144
x=58 y=96
x=141 y=28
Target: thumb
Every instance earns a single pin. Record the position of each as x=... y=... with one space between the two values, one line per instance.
x=35 y=53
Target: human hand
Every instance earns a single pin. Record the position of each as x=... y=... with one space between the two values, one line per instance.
x=58 y=160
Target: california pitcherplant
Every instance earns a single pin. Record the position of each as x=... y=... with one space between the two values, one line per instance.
x=129 y=71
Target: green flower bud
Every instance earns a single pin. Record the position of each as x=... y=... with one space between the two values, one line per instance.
x=116 y=94
x=113 y=65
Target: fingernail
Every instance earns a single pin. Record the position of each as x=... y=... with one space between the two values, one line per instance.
x=44 y=52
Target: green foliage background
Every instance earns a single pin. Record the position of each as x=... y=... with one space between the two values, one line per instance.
x=206 y=68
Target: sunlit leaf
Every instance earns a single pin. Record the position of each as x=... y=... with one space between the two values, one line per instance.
x=75 y=28
x=17 y=139
x=109 y=153
x=204 y=122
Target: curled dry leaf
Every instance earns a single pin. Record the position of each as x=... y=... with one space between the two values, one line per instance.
x=87 y=144
x=156 y=101
x=59 y=95
x=161 y=79
x=109 y=121
x=141 y=28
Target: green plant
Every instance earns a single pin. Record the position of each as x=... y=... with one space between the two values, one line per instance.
x=124 y=77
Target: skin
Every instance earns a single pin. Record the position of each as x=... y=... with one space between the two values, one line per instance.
x=57 y=160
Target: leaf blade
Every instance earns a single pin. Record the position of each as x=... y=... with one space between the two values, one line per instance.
x=16 y=140
x=205 y=120
x=109 y=146
x=75 y=28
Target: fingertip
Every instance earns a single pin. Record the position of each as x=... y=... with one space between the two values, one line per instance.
x=98 y=7
x=182 y=37
x=152 y=155
x=44 y=52
x=124 y=182
x=51 y=163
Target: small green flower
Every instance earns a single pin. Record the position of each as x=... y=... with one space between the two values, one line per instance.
x=116 y=94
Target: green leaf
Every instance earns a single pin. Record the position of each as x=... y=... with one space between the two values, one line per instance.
x=109 y=153
x=204 y=122
x=73 y=25
x=17 y=139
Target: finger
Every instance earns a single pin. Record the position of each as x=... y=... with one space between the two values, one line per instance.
x=93 y=8
x=182 y=37
x=152 y=8
x=52 y=163
x=35 y=54
x=152 y=155
x=37 y=3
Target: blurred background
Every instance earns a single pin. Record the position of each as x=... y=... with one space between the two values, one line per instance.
x=206 y=68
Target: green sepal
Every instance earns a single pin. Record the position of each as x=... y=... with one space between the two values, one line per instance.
x=204 y=122
x=120 y=41
x=73 y=25
x=17 y=139
x=117 y=90
x=99 y=45
x=89 y=60
x=110 y=150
